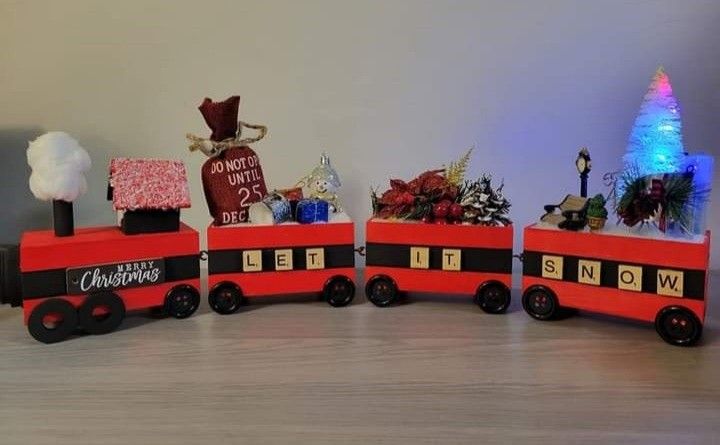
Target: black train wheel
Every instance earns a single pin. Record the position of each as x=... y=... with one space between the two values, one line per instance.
x=182 y=301
x=493 y=297
x=225 y=298
x=339 y=291
x=540 y=303
x=678 y=326
x=101 y=313
x=52 y=321
x=381 y=290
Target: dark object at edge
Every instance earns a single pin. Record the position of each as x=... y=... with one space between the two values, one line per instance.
x=10 y=275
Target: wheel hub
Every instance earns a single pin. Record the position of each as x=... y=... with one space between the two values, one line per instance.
x=540 y=303
x=679 y=326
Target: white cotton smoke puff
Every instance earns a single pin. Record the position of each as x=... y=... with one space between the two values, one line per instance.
x=58 y=163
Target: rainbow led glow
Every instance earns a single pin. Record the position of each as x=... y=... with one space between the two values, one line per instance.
x=655 y=145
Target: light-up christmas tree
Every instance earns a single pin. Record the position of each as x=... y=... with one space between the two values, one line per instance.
x=655 y=145
x=662 y=184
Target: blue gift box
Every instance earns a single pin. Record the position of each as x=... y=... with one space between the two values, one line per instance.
x=312 y=210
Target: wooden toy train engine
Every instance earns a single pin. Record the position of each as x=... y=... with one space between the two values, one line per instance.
x=91 y=278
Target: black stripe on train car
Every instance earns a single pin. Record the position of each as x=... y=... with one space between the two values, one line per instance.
x=231 y=260
x=52 y=282
x=472 y=259
x=693 y=279
x=186 y=267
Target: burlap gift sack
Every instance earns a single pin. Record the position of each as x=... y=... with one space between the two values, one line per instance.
x=232 y=178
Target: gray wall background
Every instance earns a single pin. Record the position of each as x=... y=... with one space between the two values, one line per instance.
x=389 y=88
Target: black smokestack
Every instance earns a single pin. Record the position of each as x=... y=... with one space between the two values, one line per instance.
x=63 y=220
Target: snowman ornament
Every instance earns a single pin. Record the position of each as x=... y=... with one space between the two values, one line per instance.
x=323 y=183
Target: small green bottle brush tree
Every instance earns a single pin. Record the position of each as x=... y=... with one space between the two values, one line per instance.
x=596 y=212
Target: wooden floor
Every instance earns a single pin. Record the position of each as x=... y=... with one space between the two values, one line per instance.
x=433 y=370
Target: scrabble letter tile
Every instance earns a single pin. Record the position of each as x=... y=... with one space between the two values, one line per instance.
x=252 y=260
x=670 y=282
x=315 y=258
x=283 y=259
x=419 y=257
x=451 y=259
x=589 y=272
x=630 y=278
x=552 y=267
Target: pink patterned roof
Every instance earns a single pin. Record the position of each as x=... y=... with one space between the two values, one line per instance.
x=148 y=184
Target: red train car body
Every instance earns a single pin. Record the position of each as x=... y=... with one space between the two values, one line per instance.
x=646 y=279
x=451 y=259
x=248 y=261
x=91 y=279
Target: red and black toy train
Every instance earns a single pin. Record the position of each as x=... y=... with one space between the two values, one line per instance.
x=92 y=279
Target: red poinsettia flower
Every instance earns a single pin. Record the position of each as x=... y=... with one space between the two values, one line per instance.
x=397 y=195
x=398 y=184
x=393 y=211
x=434 y=186
x=405 y=198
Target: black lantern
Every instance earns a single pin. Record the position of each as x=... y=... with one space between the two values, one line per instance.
x=584 y=165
